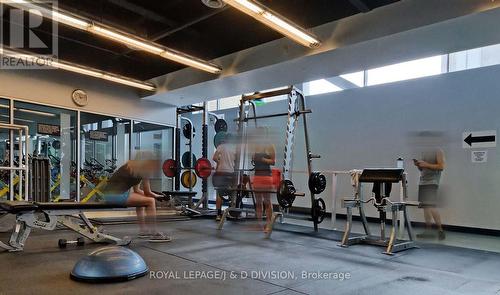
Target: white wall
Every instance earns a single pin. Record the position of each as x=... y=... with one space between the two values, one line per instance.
x=54 y=87
x=368 y=127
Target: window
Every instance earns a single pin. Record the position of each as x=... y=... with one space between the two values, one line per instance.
x=212 y=105
x=229 y=102
x=406 y=70
x=319 y=87
x=474 y=58
x=357 y=78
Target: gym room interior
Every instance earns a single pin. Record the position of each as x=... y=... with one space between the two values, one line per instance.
x=249 y=147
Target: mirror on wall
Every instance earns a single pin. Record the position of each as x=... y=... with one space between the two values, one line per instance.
x=159 y=140
x=104 y=146
x=52 y=136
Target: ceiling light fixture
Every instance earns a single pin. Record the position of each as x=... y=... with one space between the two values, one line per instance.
x=82 y=70
x=115 y=35
x=275 y=21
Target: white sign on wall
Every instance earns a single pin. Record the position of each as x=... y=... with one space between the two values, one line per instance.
x=479 y=156
x=479 y=139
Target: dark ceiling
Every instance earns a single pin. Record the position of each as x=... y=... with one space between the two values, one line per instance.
x=185 y=25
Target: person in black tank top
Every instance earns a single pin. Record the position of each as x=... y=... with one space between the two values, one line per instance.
x=124 y=188
x=264 y=156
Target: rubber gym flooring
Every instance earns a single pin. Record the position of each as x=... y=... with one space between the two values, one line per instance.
x=43 y=268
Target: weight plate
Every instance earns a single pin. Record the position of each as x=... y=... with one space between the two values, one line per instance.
x=319 y=210
x=56 y=144
x=186 y=130
x=219 y=138
x=286 y=193
x=169 y=168
x=188 y=180
x=220 y=125
x=317 y=183
x=203 y=168
x=185 y=160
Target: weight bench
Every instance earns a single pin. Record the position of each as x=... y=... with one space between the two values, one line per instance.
x=382 y=181
x=46 y=216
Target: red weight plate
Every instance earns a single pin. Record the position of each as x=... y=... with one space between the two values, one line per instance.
x=203 y=168
x=169 y=168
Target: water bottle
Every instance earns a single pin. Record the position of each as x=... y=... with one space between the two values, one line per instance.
x=400 y=163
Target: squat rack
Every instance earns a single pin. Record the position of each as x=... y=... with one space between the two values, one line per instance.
x=296 y=107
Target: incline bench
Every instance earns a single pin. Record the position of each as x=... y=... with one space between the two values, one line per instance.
x=46 y=216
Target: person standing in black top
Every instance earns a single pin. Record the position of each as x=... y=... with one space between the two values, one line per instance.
x=264 y=156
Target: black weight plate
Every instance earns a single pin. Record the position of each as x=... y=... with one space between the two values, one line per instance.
x=319 y=210
x=186 y=130
x=286 y=193
x=220 y=125
x=56 y=144
x=317 y=183
x=185 y=160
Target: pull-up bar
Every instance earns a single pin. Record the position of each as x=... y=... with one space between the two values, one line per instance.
x=260 y=95
x=275 y=115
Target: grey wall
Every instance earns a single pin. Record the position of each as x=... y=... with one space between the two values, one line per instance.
x=368 y=127
x=54 y=87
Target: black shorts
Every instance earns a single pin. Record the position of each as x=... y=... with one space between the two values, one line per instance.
x=428 y=195
x=223 y=180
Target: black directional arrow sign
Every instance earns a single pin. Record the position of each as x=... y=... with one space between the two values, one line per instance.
x=479 y=139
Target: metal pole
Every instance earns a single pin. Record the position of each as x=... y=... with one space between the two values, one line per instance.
x=78 y=156
x=204 y=144
x=11 y=152
x=20 y=164
x=177 y=151
x=309 y=154
x=26 y=163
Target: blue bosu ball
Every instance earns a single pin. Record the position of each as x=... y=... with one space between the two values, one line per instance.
x=109 y=264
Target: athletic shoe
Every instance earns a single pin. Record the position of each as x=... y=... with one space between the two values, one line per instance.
x=427 y=234
x=218 y=218
x=144 y=235
x=441 y=235
x=159 y=238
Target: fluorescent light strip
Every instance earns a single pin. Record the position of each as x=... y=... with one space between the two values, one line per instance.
x=116 y=35
x=84 y=71
x=124 y=39
x=275 y=21
x=35 y=112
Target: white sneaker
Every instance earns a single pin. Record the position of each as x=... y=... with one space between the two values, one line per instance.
x=144 y=235
x=159 y=238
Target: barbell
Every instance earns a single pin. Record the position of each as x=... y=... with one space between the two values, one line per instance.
x=286 y=193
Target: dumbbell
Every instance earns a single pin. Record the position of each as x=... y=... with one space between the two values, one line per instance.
x=63 y=242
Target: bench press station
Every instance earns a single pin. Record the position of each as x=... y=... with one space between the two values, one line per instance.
x=46 y=216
